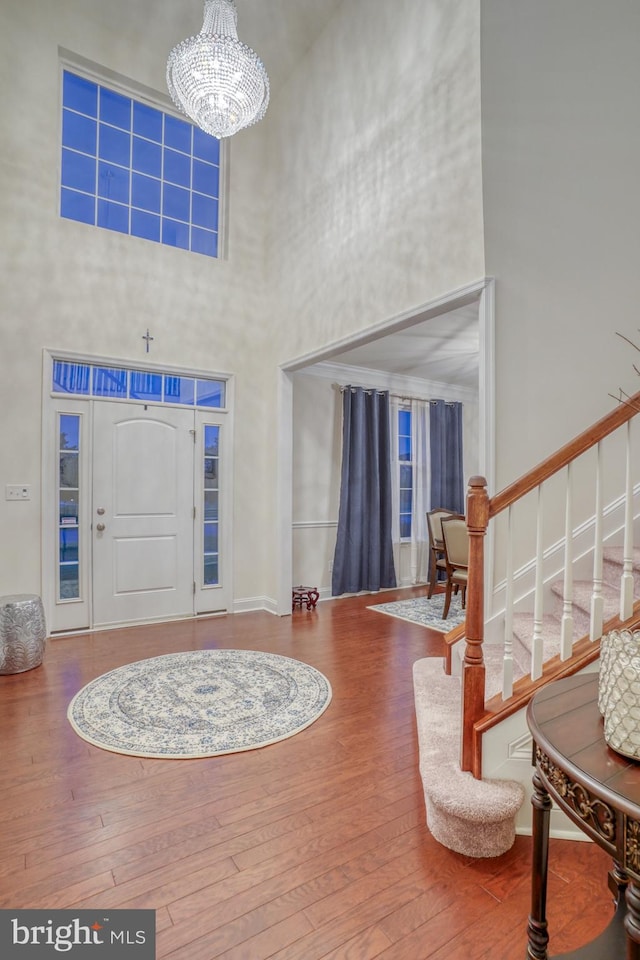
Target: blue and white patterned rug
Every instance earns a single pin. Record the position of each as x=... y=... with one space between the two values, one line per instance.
x=200 y=703
x=425 y=611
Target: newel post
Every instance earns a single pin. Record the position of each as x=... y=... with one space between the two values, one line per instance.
x=473 y=666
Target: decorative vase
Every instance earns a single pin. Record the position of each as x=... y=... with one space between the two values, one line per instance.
x=619 y=691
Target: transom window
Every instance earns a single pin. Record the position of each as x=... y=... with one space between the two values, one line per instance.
x=120 y=383
x=130 y=167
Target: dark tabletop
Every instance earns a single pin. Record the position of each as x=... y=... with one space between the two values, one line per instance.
x=566 y=724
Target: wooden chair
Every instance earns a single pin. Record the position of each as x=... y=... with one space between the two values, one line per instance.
x=456 y=556
x=436 y=544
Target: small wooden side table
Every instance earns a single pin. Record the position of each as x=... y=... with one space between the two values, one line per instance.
x=599 y=790
x=307 y=595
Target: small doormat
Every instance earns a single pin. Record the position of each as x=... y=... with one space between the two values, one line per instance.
x=199 y=703
x=425 y=611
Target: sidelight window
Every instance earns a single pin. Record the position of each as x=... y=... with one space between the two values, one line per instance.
x=68 y=497
x=210 y=512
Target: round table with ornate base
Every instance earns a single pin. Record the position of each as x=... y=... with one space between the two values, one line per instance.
x=599 y=790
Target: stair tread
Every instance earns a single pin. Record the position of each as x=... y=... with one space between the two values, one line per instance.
x=616 y=555
x=581 y=604
x=523 y=625
x=582 y=591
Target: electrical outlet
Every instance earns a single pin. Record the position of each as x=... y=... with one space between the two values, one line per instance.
x=17 y=491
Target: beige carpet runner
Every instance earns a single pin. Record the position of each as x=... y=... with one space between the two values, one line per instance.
x=472 y=817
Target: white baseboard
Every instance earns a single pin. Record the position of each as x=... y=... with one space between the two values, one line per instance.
x=251 y=604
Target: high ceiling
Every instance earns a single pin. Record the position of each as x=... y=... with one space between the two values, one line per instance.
x=280 y=31
x=443 y=349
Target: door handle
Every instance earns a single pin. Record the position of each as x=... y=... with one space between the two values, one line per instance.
x=100 y=527
x=100 y=511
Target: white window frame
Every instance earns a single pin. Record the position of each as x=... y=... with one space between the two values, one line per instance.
x=405 y=408
x=68 y=60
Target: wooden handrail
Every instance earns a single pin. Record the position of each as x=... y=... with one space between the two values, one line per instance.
x=625 y=411
x=480 y=509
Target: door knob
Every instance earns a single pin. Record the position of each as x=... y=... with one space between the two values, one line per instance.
x=100 y=511
x=100 y=527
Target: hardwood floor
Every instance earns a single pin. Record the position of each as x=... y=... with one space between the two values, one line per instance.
x=314 y=847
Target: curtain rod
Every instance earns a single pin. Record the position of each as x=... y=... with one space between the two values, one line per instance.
x=395 y=396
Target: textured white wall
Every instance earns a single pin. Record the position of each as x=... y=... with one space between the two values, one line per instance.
x=561 y=154
x=317 y=455
x=375 y=157
x=376 y=205
x=363 y=185
x=69 y=286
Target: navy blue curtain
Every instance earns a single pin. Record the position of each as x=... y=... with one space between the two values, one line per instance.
x=447 y=471
x=363 y=557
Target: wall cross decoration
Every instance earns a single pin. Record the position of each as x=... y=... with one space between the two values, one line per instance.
x=147 y=337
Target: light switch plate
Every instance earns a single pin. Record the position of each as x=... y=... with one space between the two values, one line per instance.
x=17 y=491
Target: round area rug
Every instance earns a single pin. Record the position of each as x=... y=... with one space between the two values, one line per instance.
x=200 y=703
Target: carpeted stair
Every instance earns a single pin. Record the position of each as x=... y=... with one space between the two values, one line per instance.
x=552 y=621
x=472 y=817
x=477 y=817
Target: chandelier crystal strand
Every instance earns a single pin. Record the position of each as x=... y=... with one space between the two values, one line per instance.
x=218 y=81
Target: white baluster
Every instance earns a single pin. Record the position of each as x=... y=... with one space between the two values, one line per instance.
x=507 y=665
x=626 y=580
x=538 y=606
x=597 y=600
x=566 y=630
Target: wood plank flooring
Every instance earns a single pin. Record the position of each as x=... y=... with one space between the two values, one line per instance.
x=314 y=848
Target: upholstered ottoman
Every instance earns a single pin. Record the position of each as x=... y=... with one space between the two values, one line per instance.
x=23 y=632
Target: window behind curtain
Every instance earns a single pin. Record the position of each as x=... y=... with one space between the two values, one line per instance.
x=130 y=167
x=405 y=473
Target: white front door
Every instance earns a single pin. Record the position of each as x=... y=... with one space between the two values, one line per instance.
x=142 y=524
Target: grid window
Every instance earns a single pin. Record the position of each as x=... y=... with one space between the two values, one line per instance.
x=405 y=474
x=85 y=379
x=130 y=167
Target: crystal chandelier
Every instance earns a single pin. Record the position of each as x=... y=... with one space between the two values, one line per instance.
x=219 y=82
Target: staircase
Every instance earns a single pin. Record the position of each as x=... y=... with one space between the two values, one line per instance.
x=544 y=621
x=580 y=611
